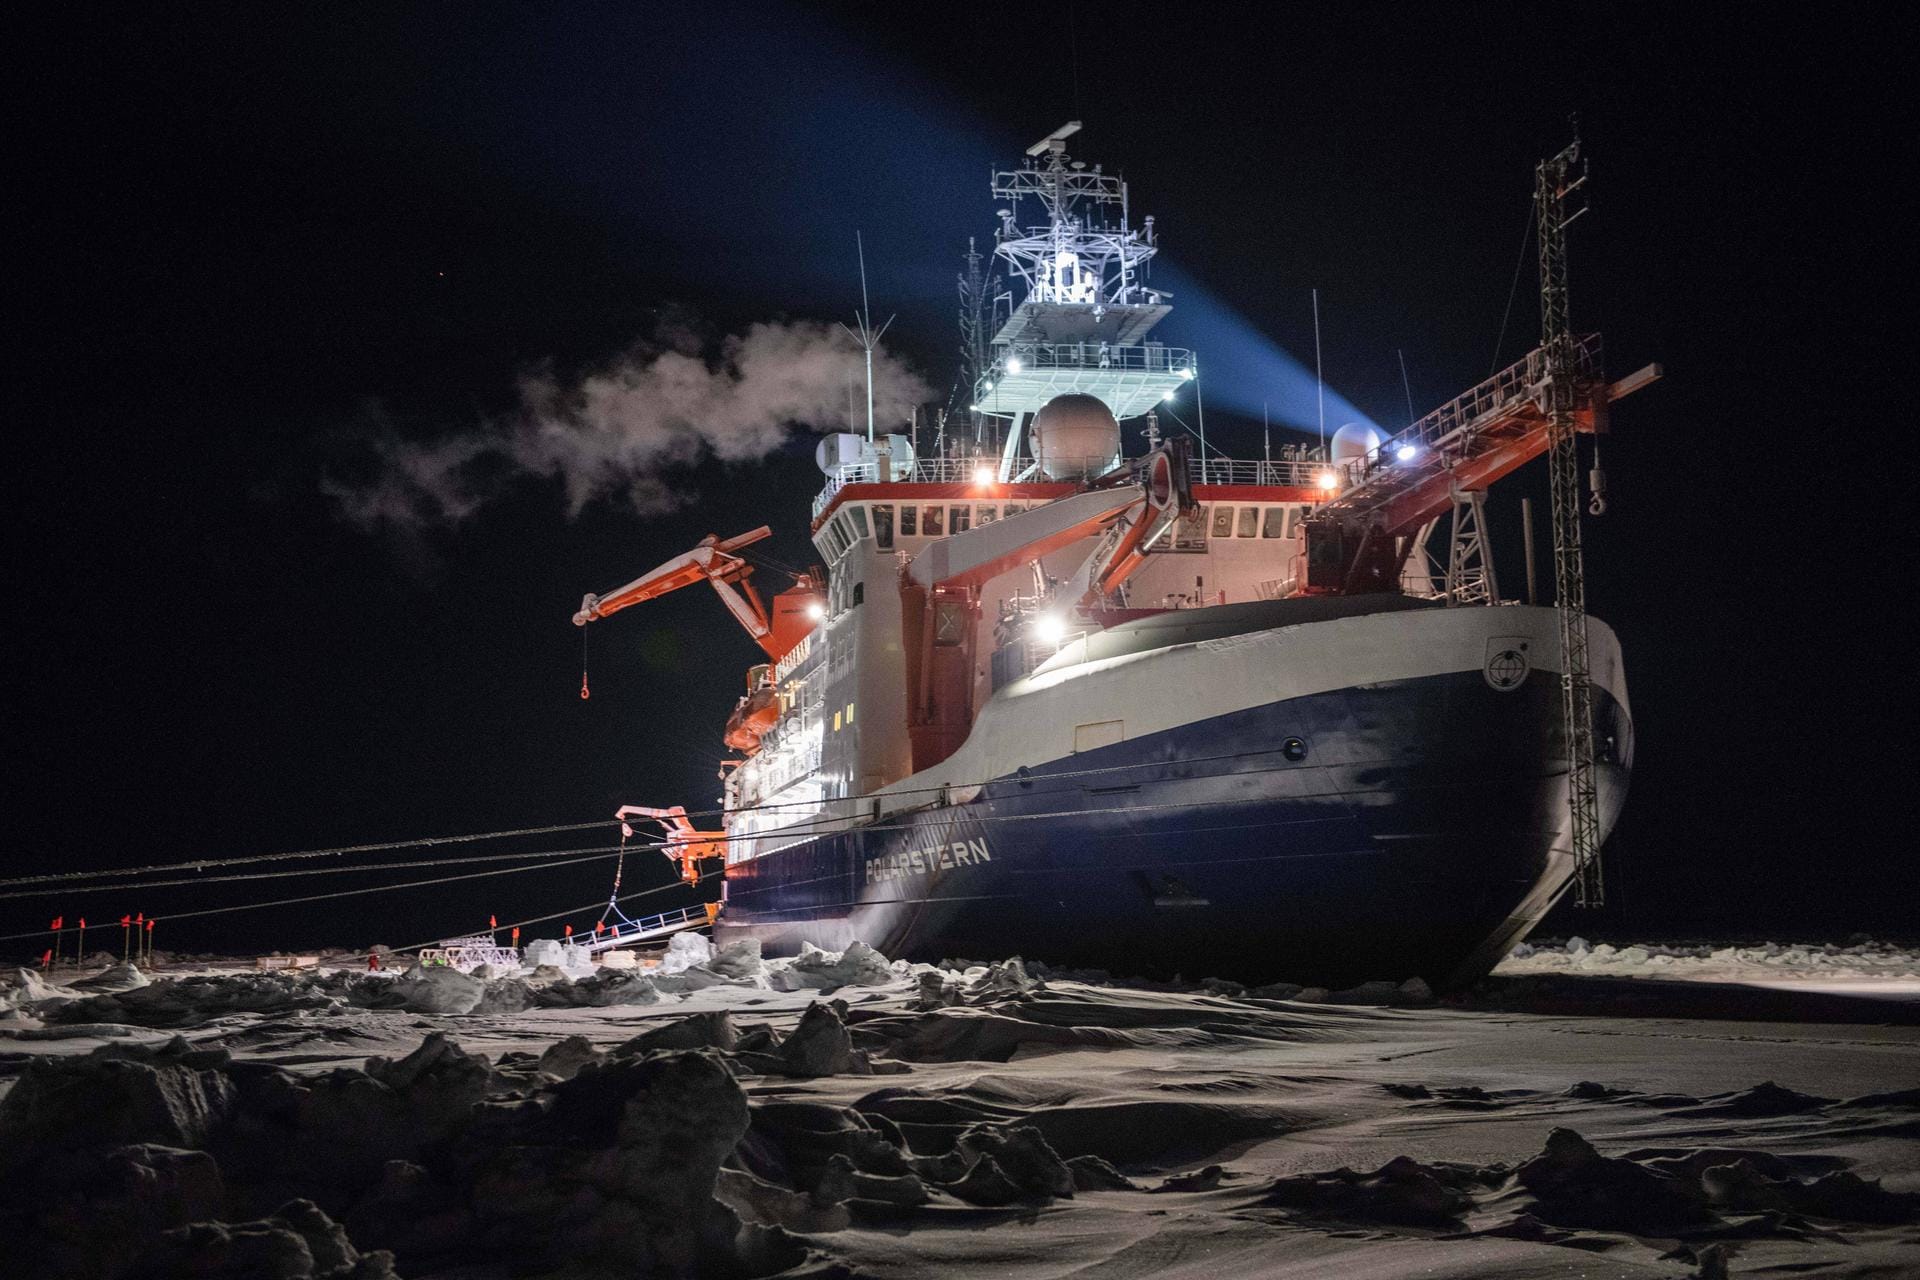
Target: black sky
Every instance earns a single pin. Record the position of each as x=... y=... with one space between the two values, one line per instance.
x=256 y=238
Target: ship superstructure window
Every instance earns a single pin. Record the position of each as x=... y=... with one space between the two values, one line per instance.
x=1190 y=532
x=1275 y=526
x=883 y=525
x=988 y=514
x=1250 y=517
x=931 y=522
x=1013 y=509
x=1223 y=522
x=860 y=521
x=909 y=521
x=859 y=594
x=960 y=519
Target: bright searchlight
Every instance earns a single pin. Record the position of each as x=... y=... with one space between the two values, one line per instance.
x=1406 y=452
x=982 y=476
x=1013 y=364
x=1050 y=628
x=1328 y=481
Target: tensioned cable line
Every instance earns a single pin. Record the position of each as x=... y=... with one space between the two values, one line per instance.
x=201 y=863
x=130 y=886
x=198 y=863
x=344 y=893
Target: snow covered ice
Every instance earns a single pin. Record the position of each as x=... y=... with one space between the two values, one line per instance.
x=839 y=1114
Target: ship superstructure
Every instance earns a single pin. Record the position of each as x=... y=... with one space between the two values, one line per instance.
x=1072 y=689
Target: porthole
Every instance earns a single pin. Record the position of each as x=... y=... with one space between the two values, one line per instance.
x=1294 y=749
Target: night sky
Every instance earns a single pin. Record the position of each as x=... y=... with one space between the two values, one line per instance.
x=258 y=241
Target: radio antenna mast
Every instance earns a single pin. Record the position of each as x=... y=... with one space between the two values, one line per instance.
x=868 y=337
x=1319 y=381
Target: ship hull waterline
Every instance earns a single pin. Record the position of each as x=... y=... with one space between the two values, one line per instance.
x=1421 y=833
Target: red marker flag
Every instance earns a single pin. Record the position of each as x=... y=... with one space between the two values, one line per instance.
x=493 y=922
x=569 y=931
x=140 y=916
x=599 y=926
x=125 y=921
x=149 y=926
x=83 y=922
x=46 y=958
x=516 y=935
x=59 y=922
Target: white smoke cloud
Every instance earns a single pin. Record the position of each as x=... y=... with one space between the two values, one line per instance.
x=623 y=428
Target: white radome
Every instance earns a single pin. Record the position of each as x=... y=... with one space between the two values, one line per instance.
x=1075 y=436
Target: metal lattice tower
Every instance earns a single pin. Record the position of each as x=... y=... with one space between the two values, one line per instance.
x=1470 y=577
x=977 y=289
x=1554 y=181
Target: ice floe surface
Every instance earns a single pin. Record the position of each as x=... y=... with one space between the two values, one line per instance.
x=1861 y=966
x=840 y=1114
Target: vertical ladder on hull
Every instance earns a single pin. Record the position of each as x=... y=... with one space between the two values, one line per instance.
x=1554 y=180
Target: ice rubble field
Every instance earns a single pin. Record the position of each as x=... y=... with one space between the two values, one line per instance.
x=840 y=1115
x=1864 y=966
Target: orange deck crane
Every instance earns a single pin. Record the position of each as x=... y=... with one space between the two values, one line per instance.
x=684 y=844
x=714 y=561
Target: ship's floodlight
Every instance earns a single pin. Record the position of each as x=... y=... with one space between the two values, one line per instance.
x=1406 y=452
x=1050 y=628
x=1328 y=481
x=1187 y=373
x=815 y=611
x=973 y=408
x=982 y=475
x=1013 y=364
x=1167 y=394
x=988 y=387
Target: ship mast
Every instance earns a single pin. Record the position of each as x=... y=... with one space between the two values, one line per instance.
x=1554 y=181
x=1066 y=235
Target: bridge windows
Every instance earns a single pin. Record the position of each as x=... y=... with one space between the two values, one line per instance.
x=909 y=521
x=1275 y=525
x=1223 y=522
x=959 y=519
x=883 y=525
x=859 y=515
x=932 y=522
x=1249 y=518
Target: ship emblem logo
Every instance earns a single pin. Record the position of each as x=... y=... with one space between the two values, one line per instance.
x=1507 y=668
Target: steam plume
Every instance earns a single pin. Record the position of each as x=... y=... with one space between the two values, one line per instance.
x=620 y=429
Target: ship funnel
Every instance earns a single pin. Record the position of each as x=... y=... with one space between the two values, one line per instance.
x=1075 y=436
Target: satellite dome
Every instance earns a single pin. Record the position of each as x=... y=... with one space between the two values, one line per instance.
x=1075 y=436
x=1354 y=442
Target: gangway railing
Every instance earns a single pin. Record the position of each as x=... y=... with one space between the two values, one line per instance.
x=646 y=928
x=1437 y=439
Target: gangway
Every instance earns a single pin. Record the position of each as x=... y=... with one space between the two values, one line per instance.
x=1357 y=539
x=624 y=932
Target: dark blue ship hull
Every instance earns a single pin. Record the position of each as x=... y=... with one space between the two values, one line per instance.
x=1422 y=832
